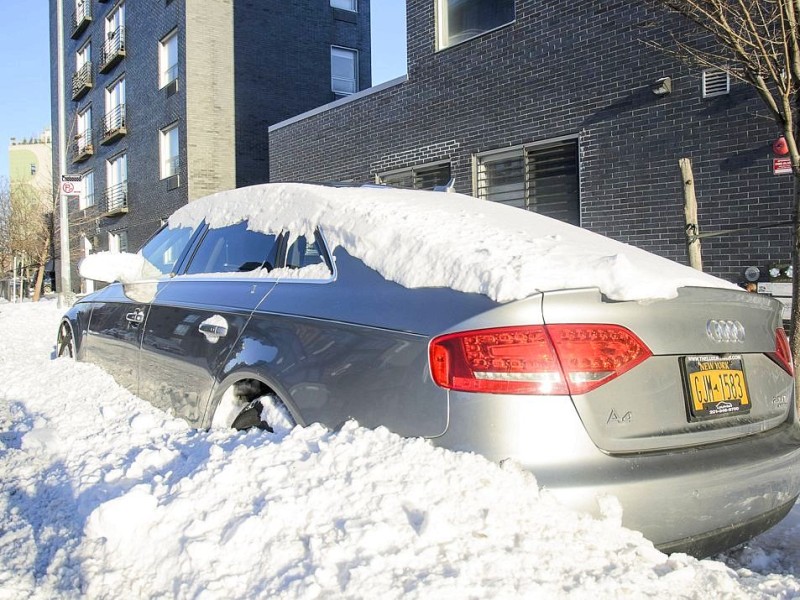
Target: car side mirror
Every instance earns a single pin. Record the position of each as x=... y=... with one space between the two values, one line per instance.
x=118 y=266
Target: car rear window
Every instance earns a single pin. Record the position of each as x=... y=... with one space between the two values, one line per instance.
x=234 y=249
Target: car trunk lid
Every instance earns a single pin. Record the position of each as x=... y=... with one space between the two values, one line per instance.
x=704 y=339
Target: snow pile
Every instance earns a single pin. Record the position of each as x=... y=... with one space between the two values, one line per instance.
x=103 y=496
x=432 y=239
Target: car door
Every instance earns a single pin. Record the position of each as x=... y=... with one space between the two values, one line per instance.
x=197 y=318
x=120 y=310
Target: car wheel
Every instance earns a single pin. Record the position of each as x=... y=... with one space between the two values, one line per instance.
x=250 y=405
x=65 y=345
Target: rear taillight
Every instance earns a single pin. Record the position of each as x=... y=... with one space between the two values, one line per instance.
x=783 y=353
x=538 y=359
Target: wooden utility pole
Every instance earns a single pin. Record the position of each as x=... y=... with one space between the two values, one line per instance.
x=690 y=211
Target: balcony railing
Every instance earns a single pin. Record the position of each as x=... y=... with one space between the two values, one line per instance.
x=114 y=124
x=113 y=50
x=115 y=199
x=82 y=81
x=82 y=17
x=82 y=147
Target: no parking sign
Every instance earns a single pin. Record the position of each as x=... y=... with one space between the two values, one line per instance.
x=71 y=185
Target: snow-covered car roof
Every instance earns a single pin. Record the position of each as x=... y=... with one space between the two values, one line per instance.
x=434 y=239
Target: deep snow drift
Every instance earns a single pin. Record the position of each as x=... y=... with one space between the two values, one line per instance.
x=103 y=496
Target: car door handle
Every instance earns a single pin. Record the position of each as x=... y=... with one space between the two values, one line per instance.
x=135 y=317
x=214 y=328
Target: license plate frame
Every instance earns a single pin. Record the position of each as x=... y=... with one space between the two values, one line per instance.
x=715 y=386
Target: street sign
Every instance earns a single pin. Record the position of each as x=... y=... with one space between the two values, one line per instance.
x=781 y=166
x=71 y=185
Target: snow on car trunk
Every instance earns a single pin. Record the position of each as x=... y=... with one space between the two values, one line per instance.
x=102 y=495
x=433 y=239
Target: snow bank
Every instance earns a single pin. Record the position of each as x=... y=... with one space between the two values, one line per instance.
x=103 y=496
x=433 y=239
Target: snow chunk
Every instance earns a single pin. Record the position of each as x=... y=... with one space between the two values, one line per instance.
x=431 y=239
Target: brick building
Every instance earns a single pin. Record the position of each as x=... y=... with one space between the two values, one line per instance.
x=168 y=101
x=564 y=109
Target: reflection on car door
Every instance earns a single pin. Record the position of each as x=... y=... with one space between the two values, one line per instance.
x=114 y=335
x=118 y=316
x=197 y=318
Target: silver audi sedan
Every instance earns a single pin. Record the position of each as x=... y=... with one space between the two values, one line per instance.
x=602 y=369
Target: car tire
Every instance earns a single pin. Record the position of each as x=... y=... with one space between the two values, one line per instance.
x=242 y=411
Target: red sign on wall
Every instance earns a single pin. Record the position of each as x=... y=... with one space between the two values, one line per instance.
x=781 y=166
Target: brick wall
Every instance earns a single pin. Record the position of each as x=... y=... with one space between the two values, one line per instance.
x=565 y=70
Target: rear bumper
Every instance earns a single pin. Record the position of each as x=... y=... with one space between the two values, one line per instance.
x=697 y=500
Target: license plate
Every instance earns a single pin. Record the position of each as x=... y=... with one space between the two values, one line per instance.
x=715 y=386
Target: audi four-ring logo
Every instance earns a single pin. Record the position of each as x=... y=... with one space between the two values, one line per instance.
x=725 y=331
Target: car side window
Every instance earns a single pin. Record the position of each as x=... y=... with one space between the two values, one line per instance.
x=305 y=252
x=165 y=247
x=234 y=249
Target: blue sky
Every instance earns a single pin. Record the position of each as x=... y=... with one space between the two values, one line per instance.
x=25 y=63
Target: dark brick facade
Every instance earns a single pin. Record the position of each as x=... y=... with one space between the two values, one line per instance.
x=281 y=67
x=568 y=69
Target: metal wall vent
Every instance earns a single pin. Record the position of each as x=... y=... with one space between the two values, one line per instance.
x=715 y=83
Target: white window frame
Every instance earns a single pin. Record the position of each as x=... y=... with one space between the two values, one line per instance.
x=86 y=199
x=118 y=241
x=521 y=152
x=342 y=52
x=442 y=27
x=115 y=20
x=169 y=157
x=117 y=170
x=167 y=73
x=115 y=98
x=87 y=285
x=414 y=172
x=83 y=56
x=351 y=5
x=83 y=127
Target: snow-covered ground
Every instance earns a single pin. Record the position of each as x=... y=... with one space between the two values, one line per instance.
x=103 y=496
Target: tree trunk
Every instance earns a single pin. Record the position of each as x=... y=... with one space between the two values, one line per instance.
x=37 y=290
x=690 y=210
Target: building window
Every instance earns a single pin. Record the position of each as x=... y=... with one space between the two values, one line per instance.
x=114 y=120
x=716 y=83
x=87 y=198
x=168 y=59
x=344 y=70
x=541 y=178
x=116 y=198
x=115 y=21
x=118 y=241
x=83 y=56
x=425 y=177
x=83 y=135
x=169 y=148
x=460 y=20
x=345 y=4
x=113 y=48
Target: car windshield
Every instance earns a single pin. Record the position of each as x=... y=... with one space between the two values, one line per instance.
x=165 y=247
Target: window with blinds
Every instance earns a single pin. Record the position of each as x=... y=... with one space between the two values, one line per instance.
x=542 y=178
x=424 y=177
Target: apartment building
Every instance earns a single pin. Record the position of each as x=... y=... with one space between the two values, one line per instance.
x=167 y=101
x=568 y=110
